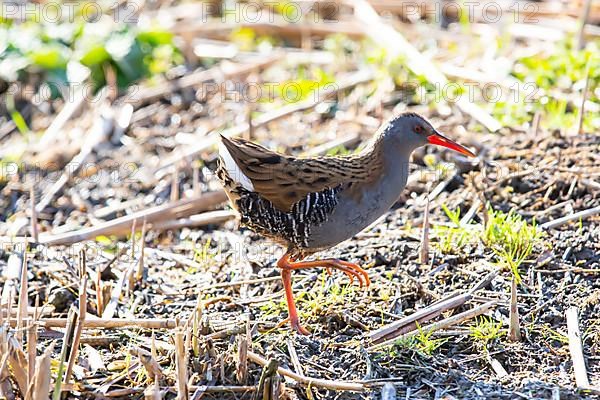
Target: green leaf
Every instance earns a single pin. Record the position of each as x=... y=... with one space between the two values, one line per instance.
x=104 y=240
x=49 y=57
x=19 y=121
x=96 y=55
x=155 y=37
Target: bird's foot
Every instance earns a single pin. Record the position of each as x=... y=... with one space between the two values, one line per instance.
x=350 y=269
x=287 y=266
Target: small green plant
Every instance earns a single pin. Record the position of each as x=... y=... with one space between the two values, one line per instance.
x=548 y=333
x=511 y=238
x=451 y=239
x=204 y=255
x=340 y=150
x=426 y=344
x=422 y=342
x=485 y=330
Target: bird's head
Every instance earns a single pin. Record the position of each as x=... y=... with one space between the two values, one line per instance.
x=410 y=130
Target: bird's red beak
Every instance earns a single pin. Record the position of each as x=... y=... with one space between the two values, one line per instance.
x=441 y=140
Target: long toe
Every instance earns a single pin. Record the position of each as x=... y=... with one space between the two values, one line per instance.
x=350 y=272
x=359 y=270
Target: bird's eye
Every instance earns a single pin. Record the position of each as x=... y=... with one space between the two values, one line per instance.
x=418 y=129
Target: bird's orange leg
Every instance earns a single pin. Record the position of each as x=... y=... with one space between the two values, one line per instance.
x=286 y=276
x=287 y=266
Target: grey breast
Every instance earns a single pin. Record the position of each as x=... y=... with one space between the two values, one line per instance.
x=352 y=215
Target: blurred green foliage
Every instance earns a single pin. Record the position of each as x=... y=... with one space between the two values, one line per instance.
x=77 y=51
x=549 y=81
x=308 y=81
x=553 y=75
x=562 y=68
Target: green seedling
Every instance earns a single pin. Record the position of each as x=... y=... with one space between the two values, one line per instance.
x=422 y=342
x=485 y=330
x=453 y=238
x=205 y=255
x=511 y=238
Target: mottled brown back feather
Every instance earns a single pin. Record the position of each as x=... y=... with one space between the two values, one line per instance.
x=285 y=180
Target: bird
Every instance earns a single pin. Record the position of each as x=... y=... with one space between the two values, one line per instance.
x=311 y=204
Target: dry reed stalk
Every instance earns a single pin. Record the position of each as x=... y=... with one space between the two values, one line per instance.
x=23 y=300
x=108 y=323
x=99 y=293
x=205 y=218
x=514 y=331
x=34 y=220
x=445 y=323
x=81 y=314
x=581 y=114
x=294 y=357
x=535 y=124
x=196 y=178
x=187 y=344
x=409 y=323
x=575 y=216
x=197 y=318
x=583 y=18
x=120 y=226
x=243 y=343
x=193 y=388
x=471 y=212
x=115 y=295
x=5 y=382
x=322 y=383
x=17 y=360
x=175 y=184
x=181 y=366
x=576 y=348
x=133 y=223
x=32 y=339
x=41 y=380
x=141 y=271
x=425 y=236
x=78 y=98
x=153 y=346
x=66 y=347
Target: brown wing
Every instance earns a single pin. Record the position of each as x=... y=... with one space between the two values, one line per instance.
x=284 y=180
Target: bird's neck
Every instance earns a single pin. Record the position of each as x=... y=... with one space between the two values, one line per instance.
x=395 y=159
